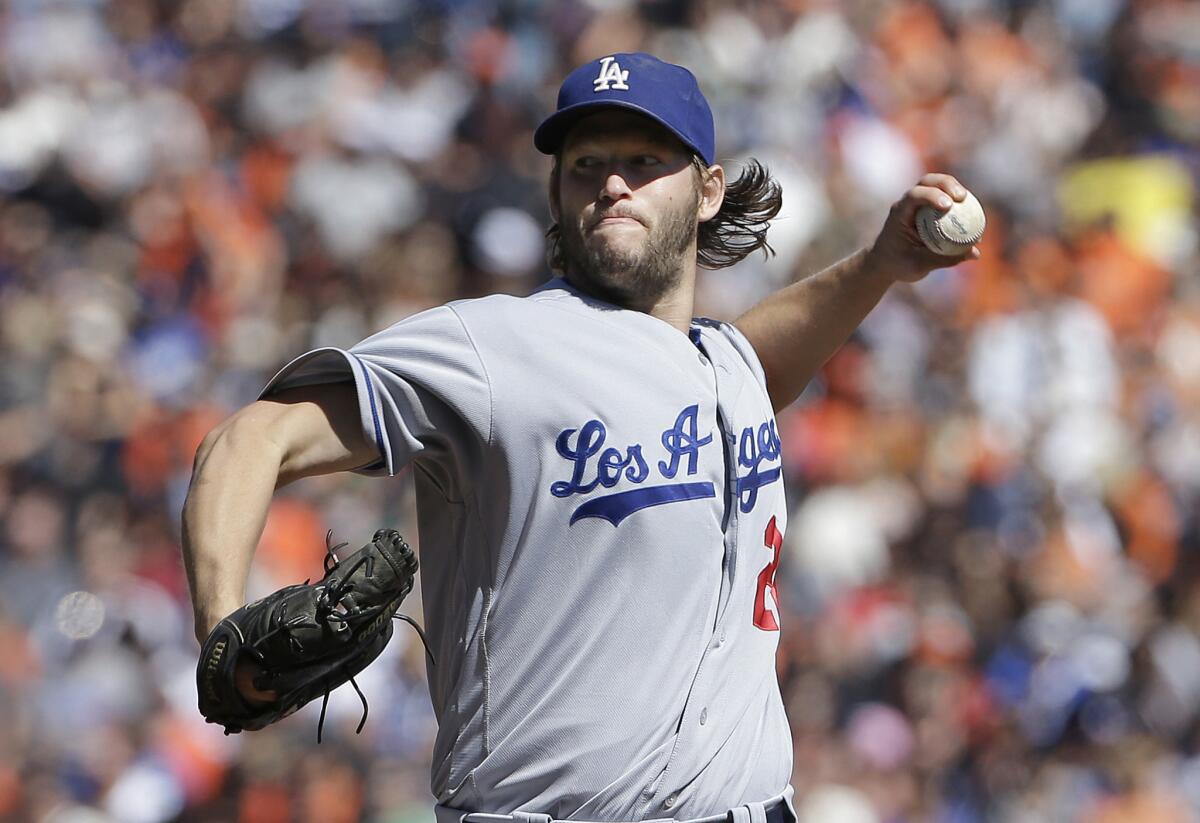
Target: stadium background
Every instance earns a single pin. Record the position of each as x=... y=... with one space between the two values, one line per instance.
x=990 y=579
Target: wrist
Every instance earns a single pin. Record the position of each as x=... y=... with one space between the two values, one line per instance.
x=873 y=267
x=206 y=619
x=204 y=626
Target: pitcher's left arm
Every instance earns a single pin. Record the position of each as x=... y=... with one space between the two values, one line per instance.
x=796 y=329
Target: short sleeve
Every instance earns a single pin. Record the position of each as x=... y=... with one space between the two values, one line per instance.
x=423 y=395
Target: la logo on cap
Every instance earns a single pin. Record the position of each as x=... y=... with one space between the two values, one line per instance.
x=610 y=73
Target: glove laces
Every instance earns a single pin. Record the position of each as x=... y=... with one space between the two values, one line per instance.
x=327 y=607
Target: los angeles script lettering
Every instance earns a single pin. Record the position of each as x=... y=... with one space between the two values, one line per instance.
x=753 y=451
x=682 y=443
x=593 y=465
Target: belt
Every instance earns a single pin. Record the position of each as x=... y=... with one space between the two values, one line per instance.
x=775 y=810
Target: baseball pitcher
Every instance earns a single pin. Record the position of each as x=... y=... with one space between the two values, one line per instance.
x=599 y=484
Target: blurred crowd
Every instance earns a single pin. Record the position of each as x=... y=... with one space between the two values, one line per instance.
x=991 y=586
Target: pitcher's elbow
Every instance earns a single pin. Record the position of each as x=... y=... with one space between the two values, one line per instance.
x=245 y=435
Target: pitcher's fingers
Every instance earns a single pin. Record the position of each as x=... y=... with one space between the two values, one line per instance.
x=946 y=183
x=919 y=196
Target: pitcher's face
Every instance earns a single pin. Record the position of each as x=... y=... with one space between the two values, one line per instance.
x=628 y=206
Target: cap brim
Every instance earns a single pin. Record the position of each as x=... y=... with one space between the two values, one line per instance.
x=550 y=134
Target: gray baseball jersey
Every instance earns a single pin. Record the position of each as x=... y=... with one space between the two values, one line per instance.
x=601 y=513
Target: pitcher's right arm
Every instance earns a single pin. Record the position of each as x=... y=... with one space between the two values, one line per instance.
x=266 y=445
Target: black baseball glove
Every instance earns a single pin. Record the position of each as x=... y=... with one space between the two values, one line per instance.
x=309 y=638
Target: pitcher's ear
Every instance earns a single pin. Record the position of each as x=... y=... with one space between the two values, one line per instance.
x=712 y=192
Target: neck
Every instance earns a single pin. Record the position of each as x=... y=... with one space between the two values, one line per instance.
x=675 y=306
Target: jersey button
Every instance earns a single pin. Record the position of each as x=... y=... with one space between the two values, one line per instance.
x=670 y=801
x=703 y=716
x=703 y=360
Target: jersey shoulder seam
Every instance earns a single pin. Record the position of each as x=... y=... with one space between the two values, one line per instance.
x=487 y=663
x=486 y=374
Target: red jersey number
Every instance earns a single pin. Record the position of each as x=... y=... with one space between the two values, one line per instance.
x=764 y=612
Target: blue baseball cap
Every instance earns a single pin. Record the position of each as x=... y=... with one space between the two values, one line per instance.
x=664 y=92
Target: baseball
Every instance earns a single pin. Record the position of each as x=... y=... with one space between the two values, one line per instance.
x=952 y=233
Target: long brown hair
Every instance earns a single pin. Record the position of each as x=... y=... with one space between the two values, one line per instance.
x=738 y=229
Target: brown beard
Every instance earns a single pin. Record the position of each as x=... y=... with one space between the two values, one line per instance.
x=633 y=279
